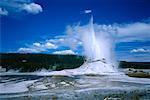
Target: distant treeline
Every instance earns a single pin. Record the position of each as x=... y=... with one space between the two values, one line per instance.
x=34 y=62
x=136 y=65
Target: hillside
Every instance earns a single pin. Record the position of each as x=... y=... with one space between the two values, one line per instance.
x=33 y=62
x=136 y=65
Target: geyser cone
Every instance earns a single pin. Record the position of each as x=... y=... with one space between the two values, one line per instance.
x=98 y=48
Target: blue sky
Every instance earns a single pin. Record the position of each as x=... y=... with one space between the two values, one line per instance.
x=39 y=26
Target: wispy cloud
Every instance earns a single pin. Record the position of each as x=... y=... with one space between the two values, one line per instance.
x=140 y=50
x=37 y=47
x=28 y=50
x=3 y=12
x=49 y=45
x=36 y=44
x=138 y=31
x=65 y=52
x=16 y=6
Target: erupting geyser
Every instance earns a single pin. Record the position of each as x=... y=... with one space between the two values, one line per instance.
x=98 y=75
x=98 y=44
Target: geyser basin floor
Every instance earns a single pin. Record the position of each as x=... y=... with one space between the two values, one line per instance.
x=77 y=87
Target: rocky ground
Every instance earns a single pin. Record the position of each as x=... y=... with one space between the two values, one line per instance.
x=85 y=87
x=140 y=73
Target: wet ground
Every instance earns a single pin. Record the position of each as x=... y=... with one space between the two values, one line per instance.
x=81 y=87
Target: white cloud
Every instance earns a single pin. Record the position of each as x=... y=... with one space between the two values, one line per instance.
x=66 y=41
x=45 y=45
x=140 y=50
x=133 y=32
x=17 y=6
x=56 y=40
x=37 y=47
x=49 y=45
x=88 y=11
x=65 y=52
x=36 y=44
x=28 y=50
x=32 y=8
x=138 y=31
x=3 y=12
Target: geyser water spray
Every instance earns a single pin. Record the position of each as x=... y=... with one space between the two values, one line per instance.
x=98 y=43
